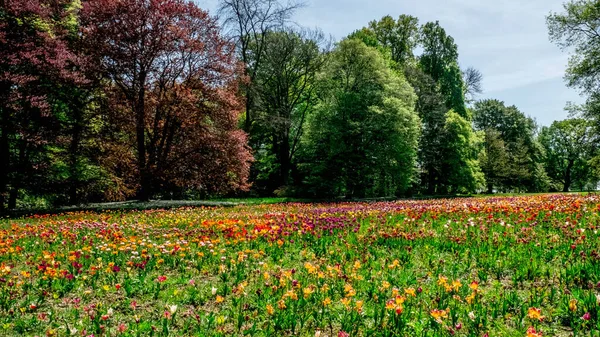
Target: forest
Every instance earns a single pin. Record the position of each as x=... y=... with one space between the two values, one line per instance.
x=109 y=100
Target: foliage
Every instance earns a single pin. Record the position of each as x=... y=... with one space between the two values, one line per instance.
x=577 y=28
x=362 y=137
x=461 y=159
x=285 y=94
x=570 y=146
x=517 y=134
x=439 y=85
x=173 y=88
x=494 y=160
x=432 y=110
x=248 y=22
x=440 y=61
x=34 y=57
x=400 y=37
x=456 y=167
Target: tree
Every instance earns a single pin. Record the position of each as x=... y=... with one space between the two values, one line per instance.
x=440 y=61
x=33 y=55
x=400 y=36
x=447 y=166
x=363 y=136
x=494 y=160
x=439 y=50
x=569 y=145
x=432 y=110
x=173 y=85
x=436 y=78
x=74 y=173
x=462 y=173
x=248 y=22
x=578 y=27
x=452 y=88
x=473 y=87
x=517 y=132
x=75 y=166
x=285 y=95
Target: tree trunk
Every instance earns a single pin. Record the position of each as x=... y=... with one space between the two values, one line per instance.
x=140 y=128
x=284 y=155
x=14 y=190
x=248 y=121
x=568 y=179
x=12 y=197
x=4 y=161
x=431 y=181
x=73 y=157
x=490 y=188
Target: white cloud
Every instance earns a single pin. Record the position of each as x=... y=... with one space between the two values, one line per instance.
x=517 y=75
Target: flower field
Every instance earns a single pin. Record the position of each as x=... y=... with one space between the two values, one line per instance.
x=507 y=266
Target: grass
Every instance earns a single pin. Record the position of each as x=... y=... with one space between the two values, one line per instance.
x=226 y=202
x=505 y=266
x=262 y=201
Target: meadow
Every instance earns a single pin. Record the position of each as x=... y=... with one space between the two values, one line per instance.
x=482 y=267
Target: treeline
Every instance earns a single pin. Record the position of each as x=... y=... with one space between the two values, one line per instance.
x=106 y=100
x=388 y=111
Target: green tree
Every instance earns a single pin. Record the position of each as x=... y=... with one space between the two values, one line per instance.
x=462 y=172
x=440 y=61
x=570 y=146
x=577 y=29
x=400 y=37
x=362 y=138
x=432 y=111
x=439 y=50
x=436 y=79
x=494 y=160
x=248 y=22
x=459 y=150
x=285 y=96
x=517 y=132
x=75 y=162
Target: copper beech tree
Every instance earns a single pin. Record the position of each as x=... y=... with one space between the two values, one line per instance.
x=172 y=84
x=33 y=58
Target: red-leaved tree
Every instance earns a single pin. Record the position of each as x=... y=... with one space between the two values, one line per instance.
x=173 y=92
x=33 y=56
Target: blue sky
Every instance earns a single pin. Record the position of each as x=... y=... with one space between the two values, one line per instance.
x=506 y=40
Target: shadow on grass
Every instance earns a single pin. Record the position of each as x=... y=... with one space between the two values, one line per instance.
x=135 y=205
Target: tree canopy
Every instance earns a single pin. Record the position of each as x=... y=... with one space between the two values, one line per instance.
x=570 y=146
x=362 y=138
x=516 y=133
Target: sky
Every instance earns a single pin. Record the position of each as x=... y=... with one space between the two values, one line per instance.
x=507 y=40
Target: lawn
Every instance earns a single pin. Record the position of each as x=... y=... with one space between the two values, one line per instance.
x=495 y=266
